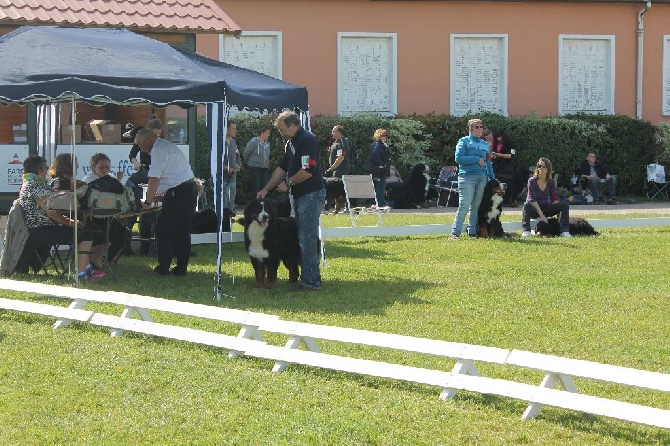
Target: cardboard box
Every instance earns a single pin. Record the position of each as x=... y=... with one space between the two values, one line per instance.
x=101 y=131
x=66 y=134
x=19 y=133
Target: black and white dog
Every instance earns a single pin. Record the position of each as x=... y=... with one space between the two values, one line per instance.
x=488 y=217
x=578 y=226
x=271 y=237
x=413 y=192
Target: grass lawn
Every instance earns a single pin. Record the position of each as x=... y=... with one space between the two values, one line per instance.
x=600 y=298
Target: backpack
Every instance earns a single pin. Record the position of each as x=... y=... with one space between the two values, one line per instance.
x=353 y=152
x=108 y=193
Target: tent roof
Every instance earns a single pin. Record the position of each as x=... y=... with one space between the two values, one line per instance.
x=103 y=65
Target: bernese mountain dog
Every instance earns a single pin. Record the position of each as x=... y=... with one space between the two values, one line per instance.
x=271 y=237
x=488 y=217
x=413 y=192
x=578 y=226
x=335 y=193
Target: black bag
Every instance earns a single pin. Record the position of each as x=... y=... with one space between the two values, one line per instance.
x=352 y=151
x=372 y=167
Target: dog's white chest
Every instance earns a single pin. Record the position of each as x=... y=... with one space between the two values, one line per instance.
x=256 y=235
x=494 y=212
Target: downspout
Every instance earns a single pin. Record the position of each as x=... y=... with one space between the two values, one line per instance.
x=640 y=59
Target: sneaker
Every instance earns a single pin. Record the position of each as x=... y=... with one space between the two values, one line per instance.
x=565 y=234
x=454 y=237
x=84 y=275
x=612 y=201
x=525 y=234
x=374 y=206
x=473 y=236
x=94 y=271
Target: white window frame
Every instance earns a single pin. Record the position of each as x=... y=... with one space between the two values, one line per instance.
x=393 y=75
x=276 y=34
x=609 y=82
x=665 y=94
x=503 y=77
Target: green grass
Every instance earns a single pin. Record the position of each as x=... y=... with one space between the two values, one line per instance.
x=600 y=298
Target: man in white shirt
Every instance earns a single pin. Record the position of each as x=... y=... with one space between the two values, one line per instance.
x=171 y=177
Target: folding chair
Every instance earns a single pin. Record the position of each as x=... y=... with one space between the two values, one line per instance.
x=656 y=183
x=361 y=187
x=447 y=182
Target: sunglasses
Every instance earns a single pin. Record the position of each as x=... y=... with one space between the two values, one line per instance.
x=541 y=166
x=383 y=135
x=479 y=127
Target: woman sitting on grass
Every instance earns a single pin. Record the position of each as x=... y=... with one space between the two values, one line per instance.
x=542 y=200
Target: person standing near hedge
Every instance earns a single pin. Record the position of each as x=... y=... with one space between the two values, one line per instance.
x=231 y=165
x=257 y=156
x=379 y=164
x=474 y=171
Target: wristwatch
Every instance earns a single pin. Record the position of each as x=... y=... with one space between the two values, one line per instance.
x=288 y=181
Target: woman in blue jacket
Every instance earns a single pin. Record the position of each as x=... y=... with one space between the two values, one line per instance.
x=474 y=171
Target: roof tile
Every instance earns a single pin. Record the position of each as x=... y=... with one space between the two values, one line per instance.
x=155 y=15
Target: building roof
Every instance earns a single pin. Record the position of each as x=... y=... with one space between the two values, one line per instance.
x=196 y=16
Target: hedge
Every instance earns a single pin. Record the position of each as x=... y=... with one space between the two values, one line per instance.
x=622 y=143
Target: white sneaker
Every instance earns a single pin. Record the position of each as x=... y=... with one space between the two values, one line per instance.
x=565 y=234
x=525 y=234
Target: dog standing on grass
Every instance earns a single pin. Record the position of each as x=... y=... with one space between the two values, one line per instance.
x=271 y=237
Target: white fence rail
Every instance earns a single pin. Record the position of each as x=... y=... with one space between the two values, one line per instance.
x=463 y=376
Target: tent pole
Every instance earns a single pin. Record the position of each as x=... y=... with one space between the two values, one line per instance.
x=74 y=175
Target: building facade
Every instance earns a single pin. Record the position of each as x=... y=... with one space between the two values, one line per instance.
x=456 y=57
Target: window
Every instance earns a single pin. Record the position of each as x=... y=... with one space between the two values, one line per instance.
x=367 y=73
x=586 y=74
x=256 y=50
x=478 y=73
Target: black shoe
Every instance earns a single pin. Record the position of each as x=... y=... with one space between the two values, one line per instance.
x=612 y=201
x=177 y=271
x=161 y=271
x=473 y=236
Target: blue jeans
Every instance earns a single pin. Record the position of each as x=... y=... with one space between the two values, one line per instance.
x=229 y=191
x=259 y=178
x=594 y=185
x=470 y=192
x=380 y=189
x=308 y=214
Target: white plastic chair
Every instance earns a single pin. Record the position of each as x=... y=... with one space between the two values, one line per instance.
x=362 y=187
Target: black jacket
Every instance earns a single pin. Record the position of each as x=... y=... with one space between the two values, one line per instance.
x=585 y=169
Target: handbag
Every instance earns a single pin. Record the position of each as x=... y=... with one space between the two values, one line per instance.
x=63 y=200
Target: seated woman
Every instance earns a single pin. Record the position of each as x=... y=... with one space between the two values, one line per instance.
x=542 y=200
x=49 y=226
x=99 y=167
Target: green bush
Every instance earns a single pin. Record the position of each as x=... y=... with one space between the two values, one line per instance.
x=622 y=143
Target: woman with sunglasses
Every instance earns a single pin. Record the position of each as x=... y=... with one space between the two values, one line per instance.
x=474 y=170
x=542 y=200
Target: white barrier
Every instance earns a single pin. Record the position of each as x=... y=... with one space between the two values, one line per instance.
x=463 y=376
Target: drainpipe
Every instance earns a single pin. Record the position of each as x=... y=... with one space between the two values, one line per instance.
x=640 y=59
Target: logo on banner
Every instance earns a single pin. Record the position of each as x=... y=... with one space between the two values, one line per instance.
x=15 y=171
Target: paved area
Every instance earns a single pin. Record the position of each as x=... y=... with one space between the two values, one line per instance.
x=650 y=207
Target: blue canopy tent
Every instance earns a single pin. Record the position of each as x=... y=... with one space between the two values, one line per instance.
x=50 y=65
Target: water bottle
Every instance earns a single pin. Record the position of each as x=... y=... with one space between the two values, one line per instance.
x=182 y=136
